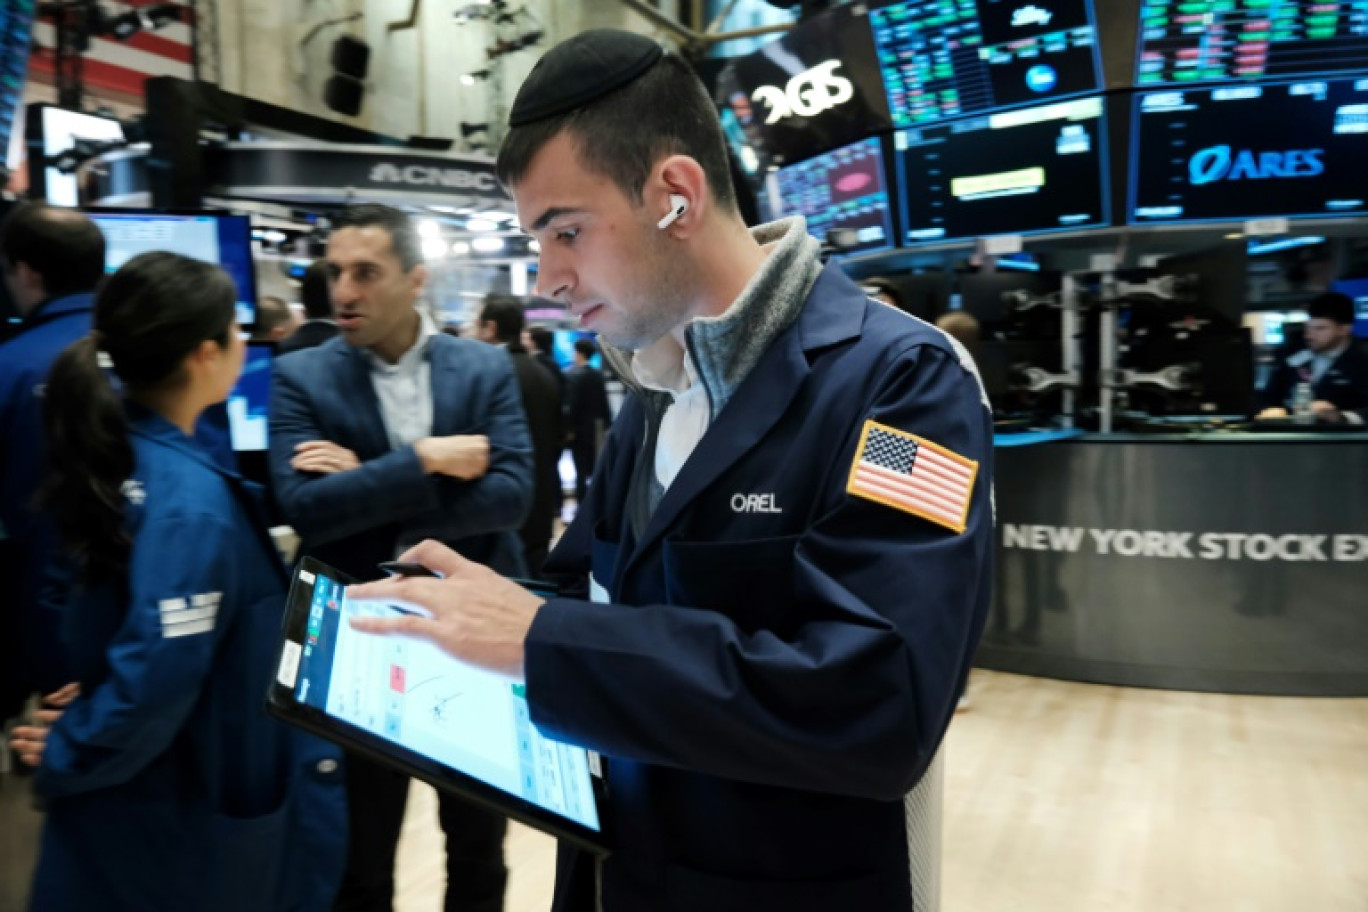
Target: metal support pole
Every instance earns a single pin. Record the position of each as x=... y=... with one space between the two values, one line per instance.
x=1070 y=356
x=1106 y=378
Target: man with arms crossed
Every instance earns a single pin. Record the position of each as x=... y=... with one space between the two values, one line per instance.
x=778 y=579
x=387 y=435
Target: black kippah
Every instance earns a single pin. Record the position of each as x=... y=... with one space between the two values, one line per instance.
x=581 y=69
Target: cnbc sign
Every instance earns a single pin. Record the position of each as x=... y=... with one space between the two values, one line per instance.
x=1221 y=163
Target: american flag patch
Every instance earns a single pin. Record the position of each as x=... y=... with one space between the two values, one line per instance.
x=912 y=474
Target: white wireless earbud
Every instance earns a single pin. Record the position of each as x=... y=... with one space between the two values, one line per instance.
x=678 y=206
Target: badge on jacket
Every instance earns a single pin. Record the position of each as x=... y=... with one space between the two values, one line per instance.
x=912 y=474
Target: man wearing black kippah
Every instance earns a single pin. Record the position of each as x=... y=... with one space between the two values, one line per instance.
x=772 y=593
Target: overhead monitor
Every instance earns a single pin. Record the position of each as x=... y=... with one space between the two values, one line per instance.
x=1017 y=172
x=1183 y=42
x=16 y=29
x=943 y=59
x=214 y=237
x=1358 y=290
x=842 y=190
x=1293 y=149
x=54 y=132
x=817 y=88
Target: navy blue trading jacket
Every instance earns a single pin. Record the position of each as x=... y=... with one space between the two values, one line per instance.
x=167 y=785
x=773 y=673
x=31 y=654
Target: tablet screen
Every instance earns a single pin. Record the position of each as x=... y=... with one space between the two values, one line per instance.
x=412 y=694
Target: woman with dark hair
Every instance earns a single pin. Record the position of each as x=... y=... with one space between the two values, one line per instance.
x=166 y=784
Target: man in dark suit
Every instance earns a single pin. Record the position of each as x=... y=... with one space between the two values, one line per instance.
x=1331 y=363
x=501 y=323
x=319 y=326
x=388 y=435
x=541 y=343
x=586 y=405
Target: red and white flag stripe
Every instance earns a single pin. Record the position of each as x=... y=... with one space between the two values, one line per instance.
x=123 y=66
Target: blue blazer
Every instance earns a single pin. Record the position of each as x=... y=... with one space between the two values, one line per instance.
x=353 y=520
x=778 y=659
x=167 y=785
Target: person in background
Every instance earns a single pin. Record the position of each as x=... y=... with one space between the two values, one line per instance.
x=963 y=327
x=166 y=784
x=318 y=326
x=275 y=320
x=587 y=414
x=501 y=323
x=53 y=259
x=772 y=595
x=388 y=434
x=1335 y=367
x=541 y=343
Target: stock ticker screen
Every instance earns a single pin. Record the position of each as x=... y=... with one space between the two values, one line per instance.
x=842 y=189
x=943 y=59
x=1183 y=42
x=1294 y=149
x=1015 y=172
x=814 y=89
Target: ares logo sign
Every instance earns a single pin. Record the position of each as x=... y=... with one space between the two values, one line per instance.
x=807 y=94
x=1219 y=163
x=427 y=176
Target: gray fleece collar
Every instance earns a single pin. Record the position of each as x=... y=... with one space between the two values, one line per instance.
x=727 y=347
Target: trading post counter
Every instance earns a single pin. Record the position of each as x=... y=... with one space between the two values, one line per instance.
x=1224 y=562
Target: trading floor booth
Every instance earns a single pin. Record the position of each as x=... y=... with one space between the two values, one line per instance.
x=1224 y=562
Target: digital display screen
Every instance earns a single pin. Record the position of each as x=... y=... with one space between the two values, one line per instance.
x=1358 y=290
x=60 y=131
x=225 y=240
x=1189 y=41
x=410 y=693
x=1250 y=151
x=943 y=59
x=250 y=398
x=16 y=28
x=563 y=348
x=817 y=88
x=840 y=190
x=1017 y=172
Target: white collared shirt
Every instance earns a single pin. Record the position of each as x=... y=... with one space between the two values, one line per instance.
x=666 y=367
x=404 y=389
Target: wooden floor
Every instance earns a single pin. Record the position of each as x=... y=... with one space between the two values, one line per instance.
x=1059 y=797
x=1076 y=798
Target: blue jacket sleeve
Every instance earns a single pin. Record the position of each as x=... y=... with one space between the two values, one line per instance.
x=158 y=659
x=855 y=698
x=500 y=499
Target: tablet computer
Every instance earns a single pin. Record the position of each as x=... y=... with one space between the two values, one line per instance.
x=407 y=704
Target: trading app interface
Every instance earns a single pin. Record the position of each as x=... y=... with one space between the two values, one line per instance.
x=225 y=240
x=843 y=189
x=410 y=693
x=1018 y=172
x=1251 y=151
x=943 y=59
x=1183 y=41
